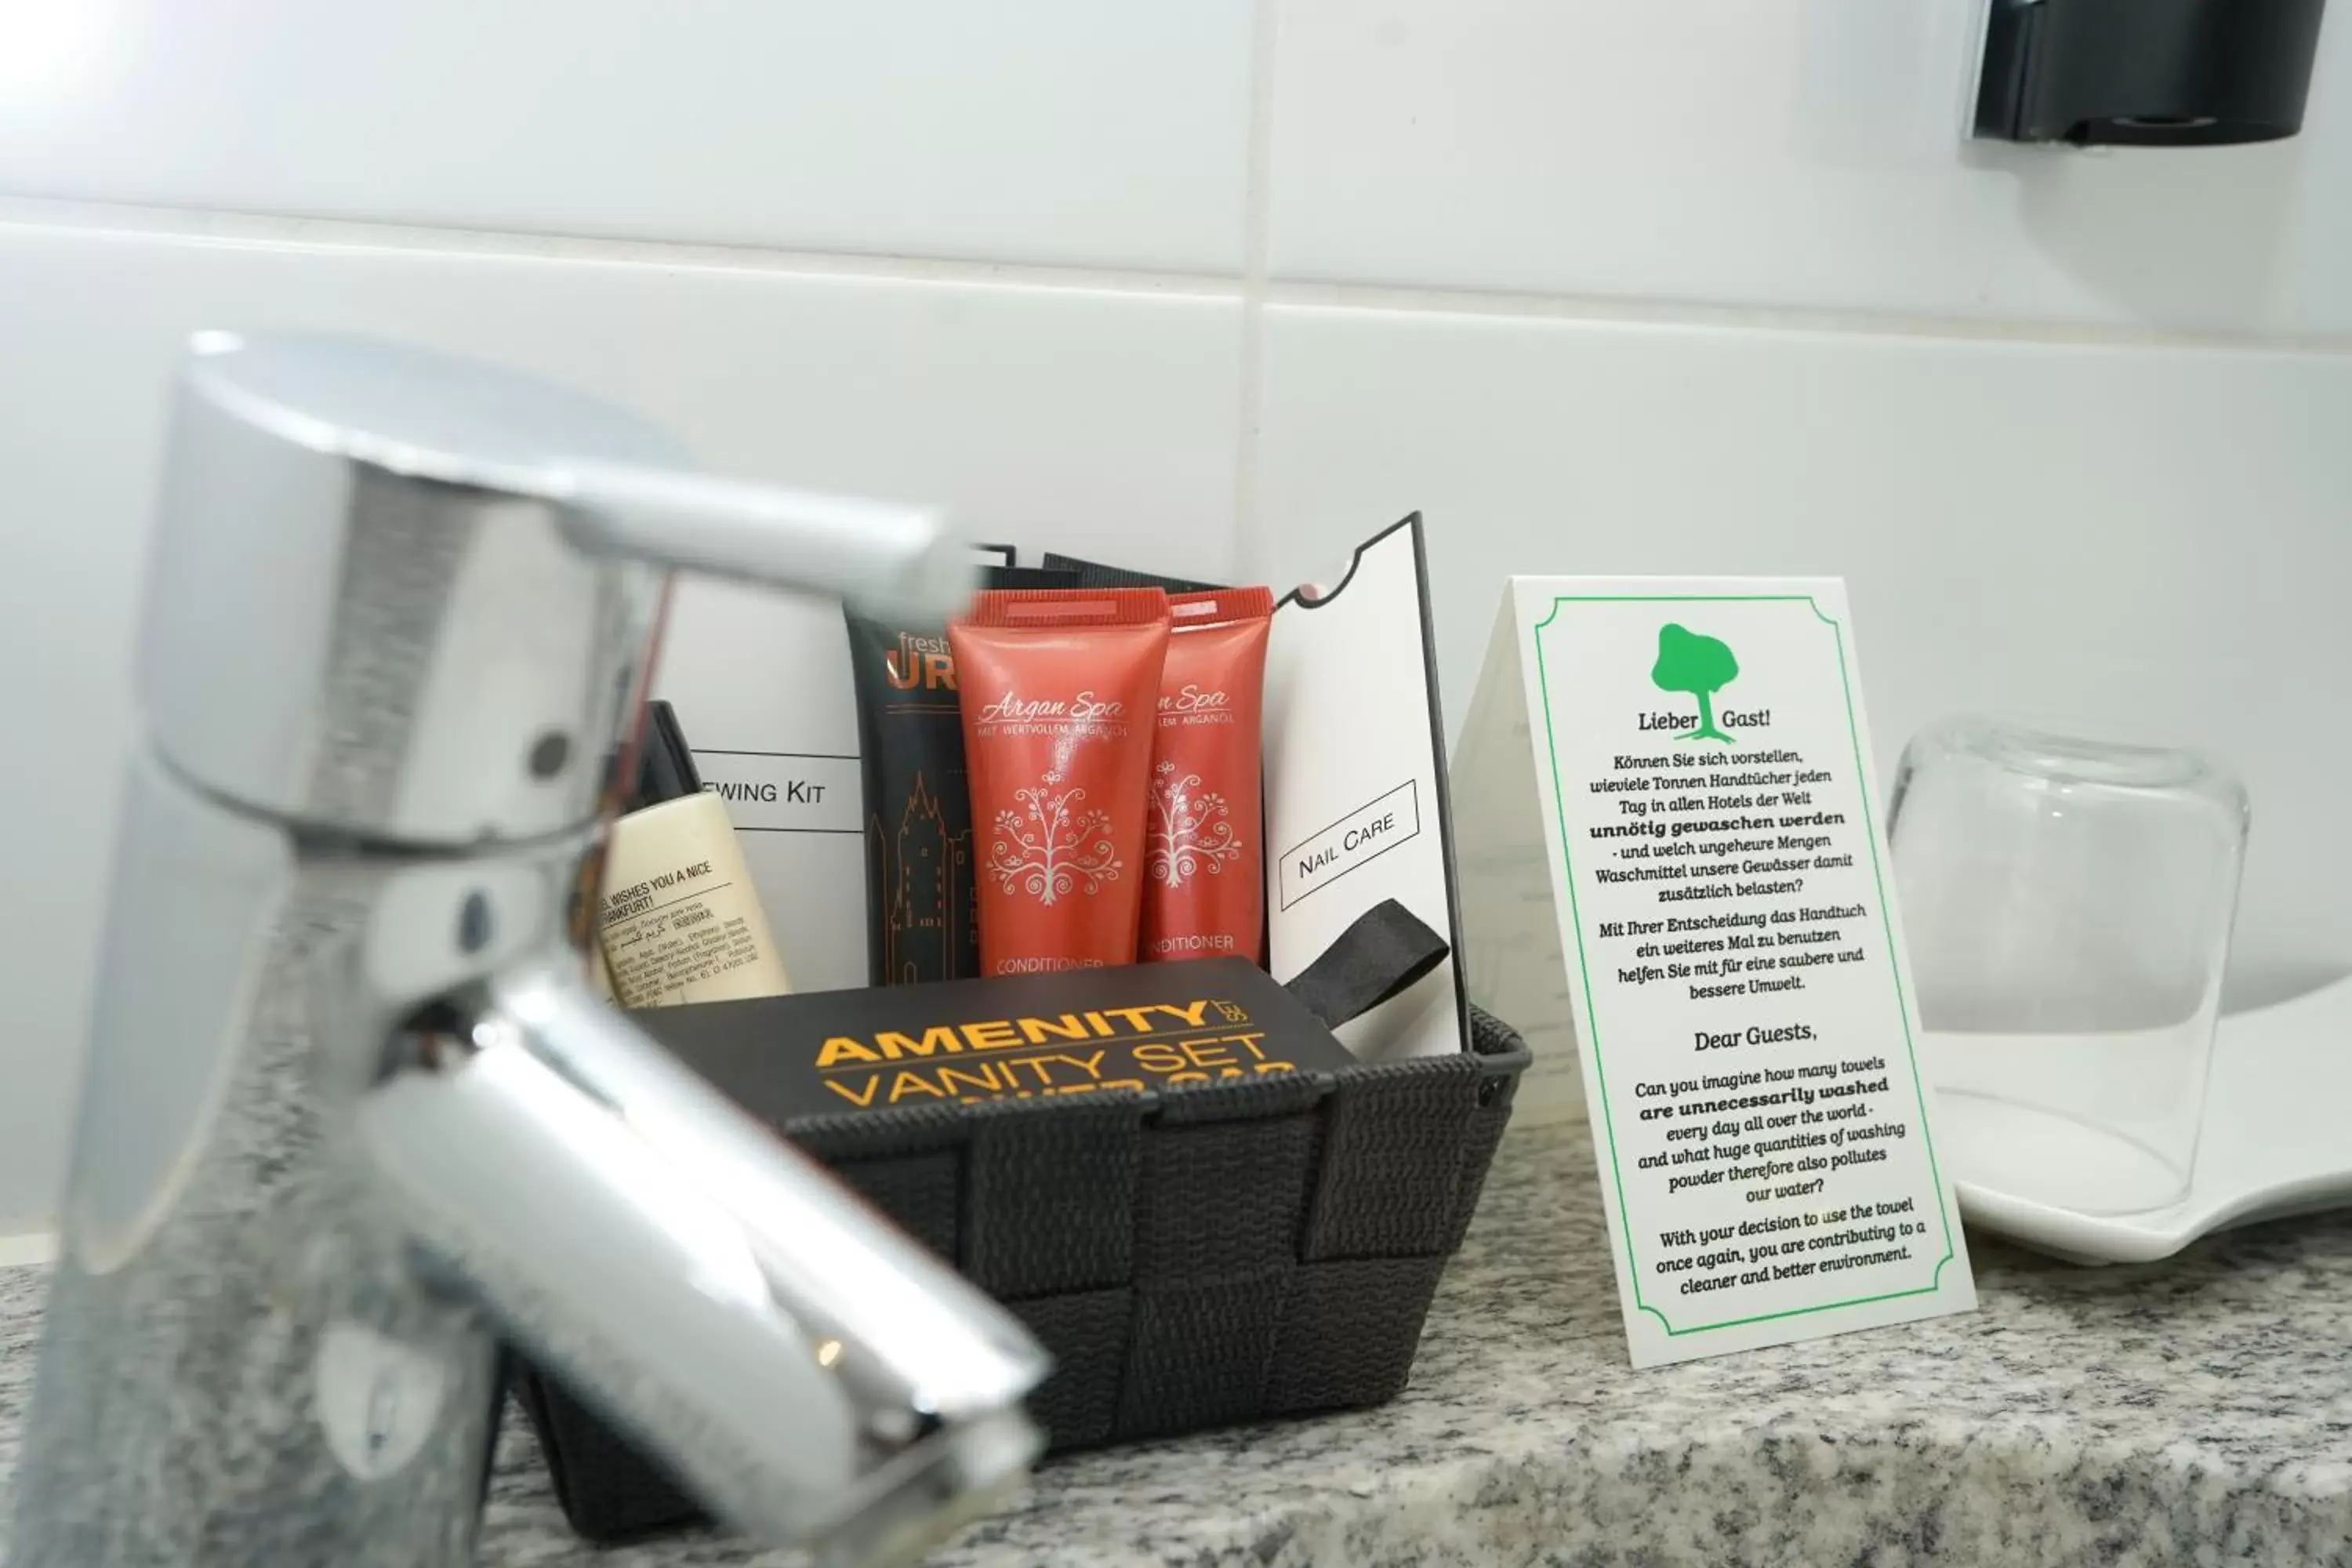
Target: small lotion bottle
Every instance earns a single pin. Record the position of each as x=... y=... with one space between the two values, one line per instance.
x=679 y=919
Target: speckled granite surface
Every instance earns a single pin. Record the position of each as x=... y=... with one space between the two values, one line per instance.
x=2195 y=1412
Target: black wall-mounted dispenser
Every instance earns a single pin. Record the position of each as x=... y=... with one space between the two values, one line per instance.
x=2146 y=73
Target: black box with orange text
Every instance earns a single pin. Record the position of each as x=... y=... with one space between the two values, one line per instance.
x=1137 y=1027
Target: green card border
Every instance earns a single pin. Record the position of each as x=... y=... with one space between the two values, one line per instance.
x=1584 y=976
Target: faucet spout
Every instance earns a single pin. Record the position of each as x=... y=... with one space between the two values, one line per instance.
x=799 y=1363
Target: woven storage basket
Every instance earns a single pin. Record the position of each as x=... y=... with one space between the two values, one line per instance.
x=1191 y=1258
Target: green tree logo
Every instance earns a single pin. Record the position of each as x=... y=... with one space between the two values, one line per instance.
x=1699 y=666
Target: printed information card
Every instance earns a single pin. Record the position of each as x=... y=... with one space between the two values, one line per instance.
x=1733 y=963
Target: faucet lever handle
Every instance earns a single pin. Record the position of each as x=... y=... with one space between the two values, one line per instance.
x=876 y=551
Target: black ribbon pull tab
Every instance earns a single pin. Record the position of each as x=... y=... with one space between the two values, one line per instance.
x=1386 y=949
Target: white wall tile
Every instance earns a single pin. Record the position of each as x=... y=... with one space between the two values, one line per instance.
x=1094 y=422
x=2135 y=543
x=1063 y=130
x=1782 y=153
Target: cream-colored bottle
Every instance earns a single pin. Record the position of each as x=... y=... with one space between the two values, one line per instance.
x=678 y=919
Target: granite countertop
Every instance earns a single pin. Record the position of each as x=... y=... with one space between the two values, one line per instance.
x=2198 y=1410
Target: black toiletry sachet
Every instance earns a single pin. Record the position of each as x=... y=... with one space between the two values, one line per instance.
x=922 y=903
x=1098 y=574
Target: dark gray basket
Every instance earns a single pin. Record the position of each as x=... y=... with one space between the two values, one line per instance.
x=1192 y=1258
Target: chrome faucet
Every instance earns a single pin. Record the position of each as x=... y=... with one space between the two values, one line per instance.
x=350 y=1113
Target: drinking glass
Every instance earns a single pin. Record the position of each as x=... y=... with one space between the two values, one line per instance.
x=2067 y=905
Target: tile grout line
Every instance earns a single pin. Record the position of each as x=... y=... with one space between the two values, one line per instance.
x=238 y=228
x=1256 y=216
x=1507 y=305
x=1254 y=287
